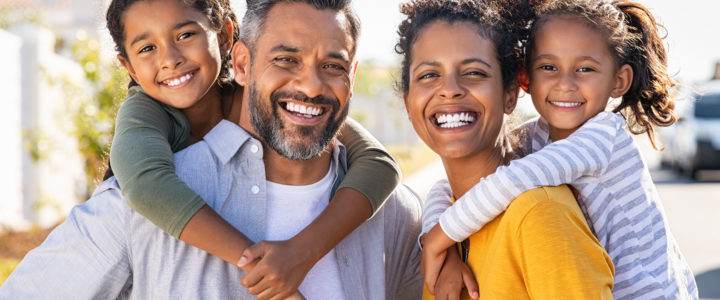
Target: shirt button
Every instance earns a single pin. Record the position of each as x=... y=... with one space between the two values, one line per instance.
x=255 y=189
x=254 y=148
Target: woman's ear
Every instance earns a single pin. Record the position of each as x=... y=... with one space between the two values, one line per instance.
x=511 y=98
x=623 y=81
x=523 y=80
x=241 y=62
x=125 y=62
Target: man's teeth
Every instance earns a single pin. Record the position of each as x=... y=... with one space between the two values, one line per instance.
x=303 y=109
x=454 y=120
x=566 y=104
x=178 y=81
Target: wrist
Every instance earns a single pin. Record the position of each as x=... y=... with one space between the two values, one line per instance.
x=311 y=252
x=436 y=240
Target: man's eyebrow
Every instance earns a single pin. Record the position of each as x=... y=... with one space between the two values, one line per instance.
x=285 y=48
x=340 y=56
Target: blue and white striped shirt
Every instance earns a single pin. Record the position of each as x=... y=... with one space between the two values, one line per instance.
x=602 y=162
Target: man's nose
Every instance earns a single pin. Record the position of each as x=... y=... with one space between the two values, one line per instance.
x=309 y=82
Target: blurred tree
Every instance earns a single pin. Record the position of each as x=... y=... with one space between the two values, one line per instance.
x=94 y=117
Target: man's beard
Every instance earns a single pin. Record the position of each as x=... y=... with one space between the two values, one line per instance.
x=308 y=141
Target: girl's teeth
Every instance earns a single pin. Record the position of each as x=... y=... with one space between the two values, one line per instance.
x=566 y=104
x=178 y=81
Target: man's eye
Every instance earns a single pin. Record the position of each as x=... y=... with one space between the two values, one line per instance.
x=336 y=67
x=285 y=60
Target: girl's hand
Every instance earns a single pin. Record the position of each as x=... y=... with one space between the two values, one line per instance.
x=279 y=269
x=434 y=243
x=454 y=277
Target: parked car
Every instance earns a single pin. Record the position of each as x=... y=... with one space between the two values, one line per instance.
x=694 y=143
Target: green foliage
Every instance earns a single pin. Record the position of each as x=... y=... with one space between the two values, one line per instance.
x=372 y=78
x=94 y=117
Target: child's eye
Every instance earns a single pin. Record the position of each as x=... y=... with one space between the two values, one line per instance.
x=585 y=69
x=146 y=49
x=549 y=68
x=185 y=35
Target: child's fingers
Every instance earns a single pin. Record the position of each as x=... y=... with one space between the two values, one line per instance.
x=251 y=254
x=432 y=271
x=470 y=283
x=253 y=278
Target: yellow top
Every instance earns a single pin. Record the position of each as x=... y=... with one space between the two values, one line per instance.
x=540 y=248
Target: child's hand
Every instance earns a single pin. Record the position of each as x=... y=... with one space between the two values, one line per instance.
x=454 y=276
x=279 y=269
x=434 y=243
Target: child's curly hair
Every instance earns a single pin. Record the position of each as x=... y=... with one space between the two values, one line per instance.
x=634 y=39
x=217 y=11
x=502 y=22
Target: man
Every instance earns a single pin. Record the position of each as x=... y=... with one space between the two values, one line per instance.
x=296 y=63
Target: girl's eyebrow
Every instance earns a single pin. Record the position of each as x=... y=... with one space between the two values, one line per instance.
x=146 y=34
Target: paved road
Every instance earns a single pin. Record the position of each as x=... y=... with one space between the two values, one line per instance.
x=692 y=209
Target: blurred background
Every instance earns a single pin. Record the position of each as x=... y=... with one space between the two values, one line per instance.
x=62 y=87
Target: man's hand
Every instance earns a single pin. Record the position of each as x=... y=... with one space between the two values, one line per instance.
x=280 y=268
x=454 y=276
x=434 y=243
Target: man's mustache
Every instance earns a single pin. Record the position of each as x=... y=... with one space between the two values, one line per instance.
x=301 y=97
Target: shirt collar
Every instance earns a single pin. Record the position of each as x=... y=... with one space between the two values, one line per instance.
x=226 y=139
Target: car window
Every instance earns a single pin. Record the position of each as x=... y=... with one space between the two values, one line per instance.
x=708 y=106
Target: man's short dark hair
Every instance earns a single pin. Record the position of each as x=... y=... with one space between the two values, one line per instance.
x=257 y=11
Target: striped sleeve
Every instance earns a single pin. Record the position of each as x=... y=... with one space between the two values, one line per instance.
x=438 y=200
x=586 y=152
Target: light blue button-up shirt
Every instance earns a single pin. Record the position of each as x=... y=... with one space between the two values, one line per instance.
x=104 y=249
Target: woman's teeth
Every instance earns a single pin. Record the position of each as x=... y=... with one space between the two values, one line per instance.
x=308 y=110
x=454 y=120
x=178 y=81
x=566 y=104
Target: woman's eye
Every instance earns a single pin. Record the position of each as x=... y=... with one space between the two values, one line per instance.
x=146 y=49
x=476 y=74
x=548 y=68
x=427 y=76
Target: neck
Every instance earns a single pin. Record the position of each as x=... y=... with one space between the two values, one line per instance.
x=464 y=173
x=204 y=114
x=557 y=134
x=278 y=168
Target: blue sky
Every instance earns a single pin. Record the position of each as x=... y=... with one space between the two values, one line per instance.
x=692 y=25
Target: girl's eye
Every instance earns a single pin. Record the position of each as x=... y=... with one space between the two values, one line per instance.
x=185 y=35
x=549 y=68
x=585 y=69
x=146 y=49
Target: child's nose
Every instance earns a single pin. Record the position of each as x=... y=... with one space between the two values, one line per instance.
x=567 y=82
x=172 y=58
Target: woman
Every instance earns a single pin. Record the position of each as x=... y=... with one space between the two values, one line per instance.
x=458 y=82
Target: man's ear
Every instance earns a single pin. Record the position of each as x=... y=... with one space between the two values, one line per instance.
x=241 y=62
x=128 y=66
x=511 y=98
x=623 y=81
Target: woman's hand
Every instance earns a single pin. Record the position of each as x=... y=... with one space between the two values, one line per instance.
x=435 y=245
x=454 y=277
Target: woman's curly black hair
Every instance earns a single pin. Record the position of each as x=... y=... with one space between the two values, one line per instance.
x=505 y=23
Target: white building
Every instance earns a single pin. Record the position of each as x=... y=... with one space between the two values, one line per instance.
x=42 y=175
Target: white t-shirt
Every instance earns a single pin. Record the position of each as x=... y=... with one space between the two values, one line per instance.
x=290 y=209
